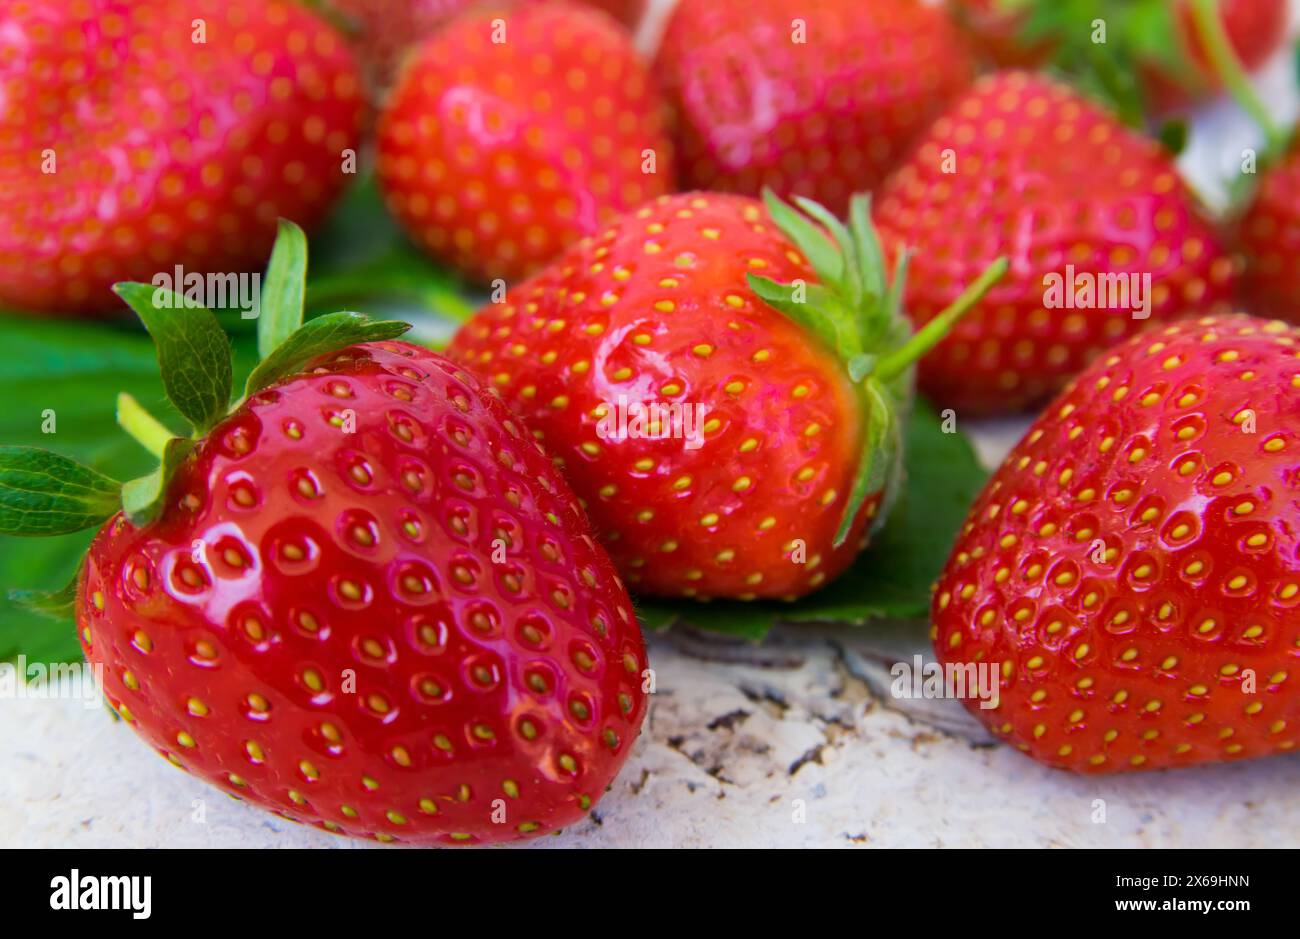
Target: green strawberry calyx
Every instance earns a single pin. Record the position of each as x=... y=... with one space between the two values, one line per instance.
x=43 y=493
x=856 y=310
x=1102 y=45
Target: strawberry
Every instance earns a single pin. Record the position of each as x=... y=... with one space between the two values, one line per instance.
x=1130 y=571
x=363 y=598
x=770 y=367
x=385 y=31
x=819 y=100
x=512 y=134
x=136 y=135
x=1270 y=239
x=1152 y=56
x=1026 y=167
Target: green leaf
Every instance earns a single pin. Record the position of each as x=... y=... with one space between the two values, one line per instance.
x=143 y=499
x=193 y=351
x=43 y=493
x=892 y=577
x=52 y=604
x=283 y=290
x=325 y=334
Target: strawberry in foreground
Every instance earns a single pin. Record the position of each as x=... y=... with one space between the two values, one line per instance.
x=386 y=31
x=1102 y=234
x=724 y=387
x=362 y=598
x=1131 y=570
x=821 y=110
x=1152 y=60
x=137 y=136
x=513 y=132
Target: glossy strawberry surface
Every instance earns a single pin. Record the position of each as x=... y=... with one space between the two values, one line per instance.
x=1131 y=570
x=1025 y=167
x=819 y=100
x=743 y=500
x=138 y=136
x=514 y=133
x=374 y=606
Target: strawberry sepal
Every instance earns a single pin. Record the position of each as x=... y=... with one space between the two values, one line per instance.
x=52 y=604
x=43 y=493
x=144 y=499
x=283 y=292
x=856 y=311
x=318 y=337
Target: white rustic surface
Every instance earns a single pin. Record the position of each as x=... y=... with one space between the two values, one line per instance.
x=737 y=739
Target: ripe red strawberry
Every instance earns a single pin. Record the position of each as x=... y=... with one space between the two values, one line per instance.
x=1155 y=40
x=1131 y=569
x=512 y=134
x=385 y=31
x=364 y=600
x=136 y=135
x=1026 y=167
x=823 y=109
x=788 y=389
x=1270 y=239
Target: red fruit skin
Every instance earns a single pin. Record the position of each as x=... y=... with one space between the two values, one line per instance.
x=497 y=156
x=1270 y=239
x=1140 y=660
x=386 y=30
x=180 y=153
x=656 y=309
x=824 y=118
x=1255 y=28
x=1049 y=180
x=440 y=643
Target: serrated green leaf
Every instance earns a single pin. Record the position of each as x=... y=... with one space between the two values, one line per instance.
x=283 y=290
x=892 y=577
x=144 y=498
x=193 y=351
x=45 y=493
x=325 y=334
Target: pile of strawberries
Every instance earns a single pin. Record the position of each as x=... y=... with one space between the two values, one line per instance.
x=385 y=590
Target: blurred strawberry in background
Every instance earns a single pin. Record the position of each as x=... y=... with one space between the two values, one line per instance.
x=512 y=134
x=387 y=29
x=812 y=99
x=1151 y=60
x=1026 y=167
x=136 y=135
